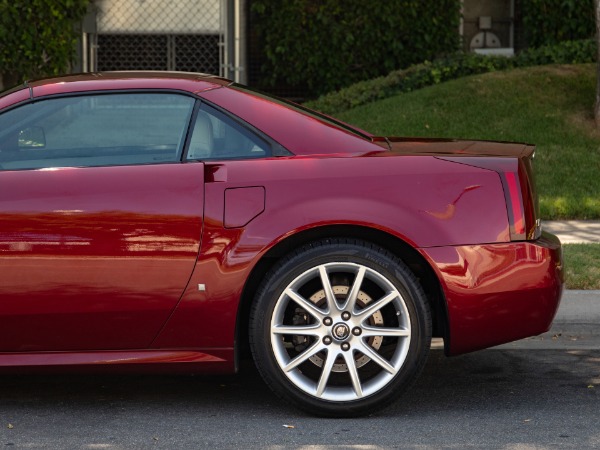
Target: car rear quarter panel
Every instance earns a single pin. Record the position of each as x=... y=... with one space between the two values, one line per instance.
x=424 y=201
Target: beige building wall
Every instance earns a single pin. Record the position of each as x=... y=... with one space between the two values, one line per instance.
x=159 y=16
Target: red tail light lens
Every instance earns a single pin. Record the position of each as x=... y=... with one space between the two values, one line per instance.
x=514 y=204
x=531 y=207
x=521 y=202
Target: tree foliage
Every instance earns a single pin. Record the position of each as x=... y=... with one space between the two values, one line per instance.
x=597 y=102
x=330 y=44
x=549 y=22
x=37 y=37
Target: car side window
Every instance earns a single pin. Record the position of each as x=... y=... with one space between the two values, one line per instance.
x=95 y=130
x=217 y=136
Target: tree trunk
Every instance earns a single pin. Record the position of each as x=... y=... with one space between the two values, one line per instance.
x=597 y=106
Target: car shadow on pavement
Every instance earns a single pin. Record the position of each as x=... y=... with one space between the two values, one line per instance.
x=494 y=398
x=504 y=377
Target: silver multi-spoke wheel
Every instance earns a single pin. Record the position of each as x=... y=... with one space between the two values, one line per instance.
x=340 y=327
x=349 y=323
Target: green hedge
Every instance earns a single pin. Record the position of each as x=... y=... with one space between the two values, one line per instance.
x=551 y=21
x=37 y=37
x=329 y=44
x=448 y=68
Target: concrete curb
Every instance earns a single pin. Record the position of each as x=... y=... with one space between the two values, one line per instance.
x=579 y=307
x=579 y=313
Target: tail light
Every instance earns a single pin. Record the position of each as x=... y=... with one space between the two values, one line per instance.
x=521 y=201
x=516 y=214
x=532 y=207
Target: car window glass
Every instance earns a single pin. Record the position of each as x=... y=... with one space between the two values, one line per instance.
x=217 y=136
x=95 y=130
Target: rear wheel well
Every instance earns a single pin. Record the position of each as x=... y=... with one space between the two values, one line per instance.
x=417 y=264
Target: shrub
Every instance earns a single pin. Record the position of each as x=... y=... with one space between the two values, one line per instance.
x=448 y=68
x=329 y=44
x=567 y=52
x=549 y=22
x=38 y=37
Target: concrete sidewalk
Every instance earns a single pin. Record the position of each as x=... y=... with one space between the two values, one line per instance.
x=574 y=231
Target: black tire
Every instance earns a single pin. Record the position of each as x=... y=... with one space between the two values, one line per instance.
x=315 y=321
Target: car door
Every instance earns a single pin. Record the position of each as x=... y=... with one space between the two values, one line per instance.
x=100 y=222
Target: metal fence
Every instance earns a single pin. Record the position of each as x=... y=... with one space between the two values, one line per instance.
x=186 y=35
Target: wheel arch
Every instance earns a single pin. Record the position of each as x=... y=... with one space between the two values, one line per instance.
x=399 y=248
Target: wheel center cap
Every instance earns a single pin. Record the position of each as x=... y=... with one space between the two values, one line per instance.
x=341 y=331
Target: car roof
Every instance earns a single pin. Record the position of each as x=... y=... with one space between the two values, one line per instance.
x=300 y=132
x=100 y=81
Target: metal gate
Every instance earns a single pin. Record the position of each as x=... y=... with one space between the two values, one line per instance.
x=180 y=35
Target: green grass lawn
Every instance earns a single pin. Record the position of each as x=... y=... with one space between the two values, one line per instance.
x=550 y=106
x=582 y=266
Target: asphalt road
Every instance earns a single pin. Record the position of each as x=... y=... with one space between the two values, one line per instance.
x=520 y=397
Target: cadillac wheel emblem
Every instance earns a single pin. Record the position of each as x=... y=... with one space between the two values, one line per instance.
x=341 y=331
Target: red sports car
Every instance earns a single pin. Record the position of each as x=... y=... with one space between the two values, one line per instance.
x=171 y=221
